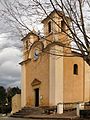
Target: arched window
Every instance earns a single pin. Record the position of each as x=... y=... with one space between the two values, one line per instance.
x=49 y=26
x=26 y=44
x=62 y=26
x=75 y=69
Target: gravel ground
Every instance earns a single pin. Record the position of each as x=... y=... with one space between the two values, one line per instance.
x=11 y=118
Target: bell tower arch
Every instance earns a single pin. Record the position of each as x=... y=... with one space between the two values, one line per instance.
x=28 y=40
x=55 y=29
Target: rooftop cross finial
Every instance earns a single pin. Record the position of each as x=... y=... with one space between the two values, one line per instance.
x=33 y=30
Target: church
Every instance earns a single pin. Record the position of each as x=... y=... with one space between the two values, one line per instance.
x=49 y=74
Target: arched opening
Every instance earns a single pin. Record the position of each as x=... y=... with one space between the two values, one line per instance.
x=62 y=26
x=75 y=69
x=49 y=26
x=26 y=44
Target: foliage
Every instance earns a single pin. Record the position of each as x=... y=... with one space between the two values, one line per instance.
x=11 y=92
x=2 y=95
x=6 y=97
x=2 y=98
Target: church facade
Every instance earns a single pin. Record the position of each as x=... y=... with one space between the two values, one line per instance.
x=49 y=76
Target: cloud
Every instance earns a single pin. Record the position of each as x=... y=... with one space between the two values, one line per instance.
x=9 y=40
x=10 y=54
x=10 y=71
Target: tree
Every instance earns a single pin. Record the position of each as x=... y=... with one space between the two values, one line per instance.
x=10 y=93
x=20 y=15
x=2 y=95
x=2 y=98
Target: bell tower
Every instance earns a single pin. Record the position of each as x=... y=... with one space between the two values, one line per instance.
x=53 y=23
x=55 y=28
x=28 y=40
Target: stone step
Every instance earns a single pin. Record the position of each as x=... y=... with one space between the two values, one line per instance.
x=28 y=111
x=17 y=116
x=32 y=111
x=21 y=113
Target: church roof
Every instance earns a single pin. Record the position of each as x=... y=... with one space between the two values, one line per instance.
x=53 y=12
x=33 y=32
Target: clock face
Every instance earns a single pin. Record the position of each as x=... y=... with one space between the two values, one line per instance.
x=36 y=54
x=36 y=50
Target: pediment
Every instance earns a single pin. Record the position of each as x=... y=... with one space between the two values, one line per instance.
x=35 y=82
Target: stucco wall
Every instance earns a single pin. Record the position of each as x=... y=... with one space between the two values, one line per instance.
x=87 y=83
x=23 y=86
x=73 y=84
x=16 y=103
x=37 y=70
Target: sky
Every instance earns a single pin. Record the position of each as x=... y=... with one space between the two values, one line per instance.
x=10 y=51
x=10 y=56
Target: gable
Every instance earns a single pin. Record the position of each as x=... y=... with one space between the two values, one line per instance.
x=35 y=82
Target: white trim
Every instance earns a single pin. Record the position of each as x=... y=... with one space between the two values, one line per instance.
x=55 y=79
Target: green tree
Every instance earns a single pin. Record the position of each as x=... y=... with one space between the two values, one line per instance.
x=2 y=98
x=10 y=93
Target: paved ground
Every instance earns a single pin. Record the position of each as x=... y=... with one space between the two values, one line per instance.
x=11 y=118
x=36 y=118
x=7 y=118
x=41 y=117
x=64 y=116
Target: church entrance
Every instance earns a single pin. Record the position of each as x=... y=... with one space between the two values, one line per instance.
x=36 y=97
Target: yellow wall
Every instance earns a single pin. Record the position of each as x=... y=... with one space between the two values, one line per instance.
x=87 y=83
x=16 y=103
x=23 y=86
x=73 y=84
x=37 y=70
